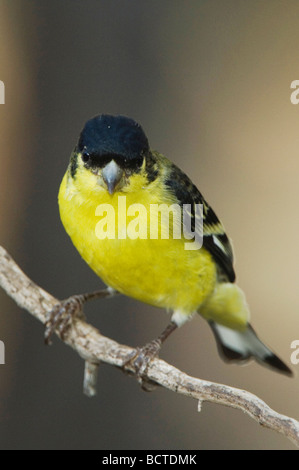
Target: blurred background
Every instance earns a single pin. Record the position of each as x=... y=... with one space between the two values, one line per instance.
x=210 y=83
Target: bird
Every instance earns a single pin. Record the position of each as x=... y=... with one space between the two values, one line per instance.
x=113 y=169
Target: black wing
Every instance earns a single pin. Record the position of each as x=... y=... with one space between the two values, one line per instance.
x=215 y=239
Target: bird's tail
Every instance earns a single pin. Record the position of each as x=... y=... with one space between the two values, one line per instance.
x=238 y=346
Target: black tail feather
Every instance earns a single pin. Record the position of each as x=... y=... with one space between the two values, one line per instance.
x=241 y=346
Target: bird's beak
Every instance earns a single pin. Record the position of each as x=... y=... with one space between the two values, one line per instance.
x=112 y=175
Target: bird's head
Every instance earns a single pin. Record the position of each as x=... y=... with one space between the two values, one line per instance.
x=112 y=154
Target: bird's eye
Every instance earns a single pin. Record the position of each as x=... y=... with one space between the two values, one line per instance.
x=139 y=161
x=133 y=163
x=86 y=157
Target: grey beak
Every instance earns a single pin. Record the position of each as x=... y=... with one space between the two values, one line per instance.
x=112 y=174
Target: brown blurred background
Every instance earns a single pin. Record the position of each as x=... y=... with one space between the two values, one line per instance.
x=210 y=83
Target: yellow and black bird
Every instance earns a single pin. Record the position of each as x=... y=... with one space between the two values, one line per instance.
x=113 y=158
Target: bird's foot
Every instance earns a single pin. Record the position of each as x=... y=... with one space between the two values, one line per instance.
x=139 y=360
x=61 y=316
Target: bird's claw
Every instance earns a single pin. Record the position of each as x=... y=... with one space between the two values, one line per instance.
x=60 y=317
x=139 y=360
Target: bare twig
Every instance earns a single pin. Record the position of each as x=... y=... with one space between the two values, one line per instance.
x=90 y=378
x=94 y=348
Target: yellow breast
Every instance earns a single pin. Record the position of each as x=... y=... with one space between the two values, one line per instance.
x=159 y=271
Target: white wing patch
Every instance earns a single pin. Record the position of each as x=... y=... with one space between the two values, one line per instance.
x=218 y=243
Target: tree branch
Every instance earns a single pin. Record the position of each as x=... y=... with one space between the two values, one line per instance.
x=94 y=348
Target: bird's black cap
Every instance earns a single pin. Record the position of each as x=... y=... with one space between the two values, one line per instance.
x=113 y=135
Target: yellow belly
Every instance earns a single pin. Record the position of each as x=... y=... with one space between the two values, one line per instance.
x=158 y=272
